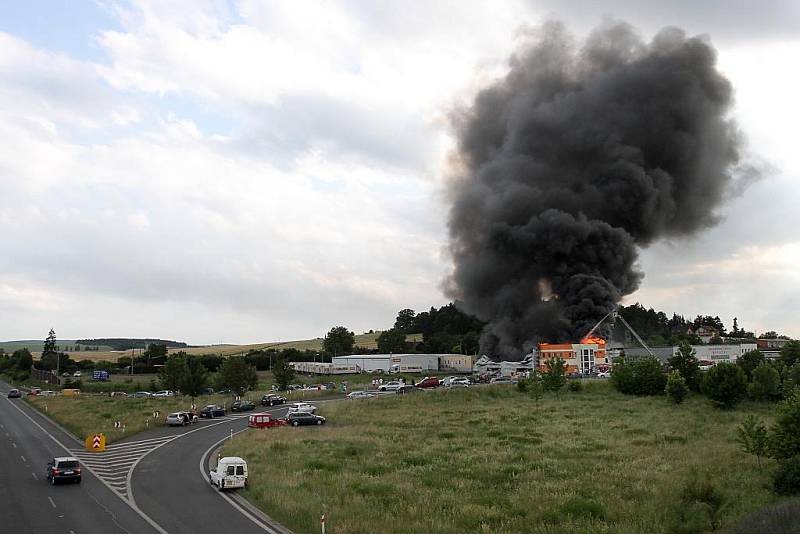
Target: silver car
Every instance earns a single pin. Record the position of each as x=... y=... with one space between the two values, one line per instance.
x=180 y=419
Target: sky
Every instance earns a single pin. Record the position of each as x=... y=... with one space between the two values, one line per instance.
x=245 y=171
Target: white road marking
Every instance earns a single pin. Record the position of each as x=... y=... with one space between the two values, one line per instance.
x=34 y=476
x=14 y=444
x=71 y=532
x=130 y=503
x=23 y=459
x=52 y=503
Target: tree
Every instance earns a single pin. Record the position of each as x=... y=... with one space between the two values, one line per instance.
x=283 y=373
x=173 y=372
x=644 y=376
x=24 y=359
x=766 y=383
x=676 y=388
x=790 y=353
x=687 y=366
x=392 y=341
x=405 y=321
x=50 y=343
x=154 y=354
x=195 y=378
x=749 y=361
x=725 y=384
x=784 y=438
x=554 y=377
x=752 y=436
x=238 y=375
x=339 y=341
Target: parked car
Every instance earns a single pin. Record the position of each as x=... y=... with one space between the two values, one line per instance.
x=304 y=418
x=446 y=380
x=230 y=472
x=459 y=382
x=34 y=392
x=64 y=469
x=14 y=394
x=302 y=407
x=390 y=386
x=502 y=380
x=359 y=395
x=118 y=394
x=180 y=419
x=604 y=374
x=141 y=394
x=208 y=391
x=225 y=392
x=271 y=400
x=428 y=382
x=47 y=393
x=242 y=406
x=293 y=387
x=264 y=420
x=164 y=393
x=212 y=410
x=76 y=374
x=406 y=388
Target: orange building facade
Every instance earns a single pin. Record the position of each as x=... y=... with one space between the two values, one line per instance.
x=584 y=357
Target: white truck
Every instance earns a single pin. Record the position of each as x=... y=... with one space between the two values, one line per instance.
x=230 y=472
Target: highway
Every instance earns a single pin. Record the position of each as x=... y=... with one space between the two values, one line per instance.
x=28 y=504
x=153 y=482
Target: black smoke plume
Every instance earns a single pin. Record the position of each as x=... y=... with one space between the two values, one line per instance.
x=569 y=164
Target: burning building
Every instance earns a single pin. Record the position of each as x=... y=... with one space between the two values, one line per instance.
x=585 y=357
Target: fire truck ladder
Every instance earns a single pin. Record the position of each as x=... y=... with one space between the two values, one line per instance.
x=614 y=316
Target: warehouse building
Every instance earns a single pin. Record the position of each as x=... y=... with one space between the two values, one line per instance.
x=708 y=353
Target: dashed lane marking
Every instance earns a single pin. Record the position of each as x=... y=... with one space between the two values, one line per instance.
x=52 y=502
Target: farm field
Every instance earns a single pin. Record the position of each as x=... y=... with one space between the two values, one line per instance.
x=495 y=460
x=368 y=341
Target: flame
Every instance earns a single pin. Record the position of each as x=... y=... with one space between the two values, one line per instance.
x=594 y=340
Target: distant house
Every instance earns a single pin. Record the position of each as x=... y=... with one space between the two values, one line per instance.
x=705 y=333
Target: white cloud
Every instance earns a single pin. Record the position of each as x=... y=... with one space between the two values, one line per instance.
x=250 y=171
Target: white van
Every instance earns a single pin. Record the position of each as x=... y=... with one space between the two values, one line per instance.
x=230 y=472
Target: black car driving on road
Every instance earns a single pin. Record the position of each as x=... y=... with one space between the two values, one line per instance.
x=212 y=410
x=242 y=406
x=304 y=418
x=64 y=469
x=271 y=400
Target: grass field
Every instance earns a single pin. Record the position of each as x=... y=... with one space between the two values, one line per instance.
x=368 y=341
x=494 y=460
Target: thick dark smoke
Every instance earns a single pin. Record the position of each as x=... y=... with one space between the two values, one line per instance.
x=576 y=158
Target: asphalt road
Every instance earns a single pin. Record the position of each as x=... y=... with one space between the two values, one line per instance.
x=169 y=486
x=29 y=504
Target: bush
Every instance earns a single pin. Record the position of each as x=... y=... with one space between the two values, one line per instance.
x=685 y=363
x=785 y=435
x=676 y=387
x=749 y=361
x=575 y=386
x=753 y=438
x=725 y=384
x=766 y=383
x=522 y=385
x=639 y=377
x=787 y=477
x=554 y=378
x=700 y=507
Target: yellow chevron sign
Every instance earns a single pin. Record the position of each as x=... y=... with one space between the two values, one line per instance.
x=96 y=442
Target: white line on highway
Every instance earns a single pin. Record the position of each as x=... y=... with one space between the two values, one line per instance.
x=71 y=532
x=231 y=501
x=14 y=444
x=34 y=476
x=23 y=459
x=143 y=515
x=52 y=503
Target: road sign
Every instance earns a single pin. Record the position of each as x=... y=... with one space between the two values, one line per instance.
x=96 y=442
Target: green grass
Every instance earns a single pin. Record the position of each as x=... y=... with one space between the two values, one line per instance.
x=494 y=460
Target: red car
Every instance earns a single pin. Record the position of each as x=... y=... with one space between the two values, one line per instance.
x=428 y=382
x=264 y=420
